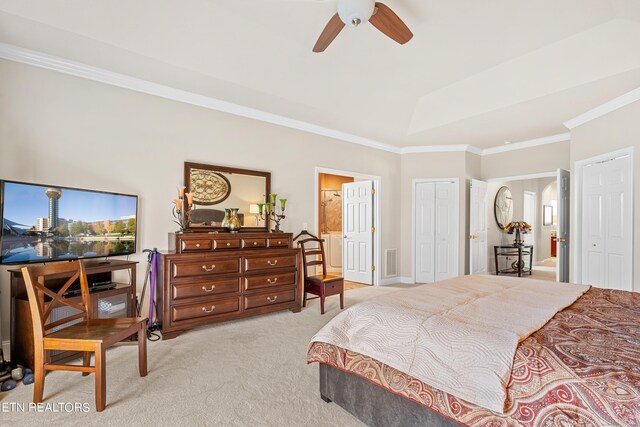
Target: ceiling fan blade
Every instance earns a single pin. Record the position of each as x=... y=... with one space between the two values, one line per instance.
x=385 y=20
x=333 y=28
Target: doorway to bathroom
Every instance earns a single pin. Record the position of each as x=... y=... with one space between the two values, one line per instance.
x=348 y=219
x=330 y=217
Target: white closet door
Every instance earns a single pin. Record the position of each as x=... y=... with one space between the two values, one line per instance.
x=618 y=224
x=593 y=226
x=607 y=228
x=436 y=231
x=357 y=226
x=446 y=235
x=425 y=232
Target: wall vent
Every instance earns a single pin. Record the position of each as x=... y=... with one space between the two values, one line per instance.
x=391 y=262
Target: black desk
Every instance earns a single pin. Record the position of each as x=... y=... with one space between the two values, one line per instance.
x=514 y=251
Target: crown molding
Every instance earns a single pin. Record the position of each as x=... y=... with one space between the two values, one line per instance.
x=439 y=149
x=562 y=137
x=523 y=177
x=604 y=109
x=77 y=69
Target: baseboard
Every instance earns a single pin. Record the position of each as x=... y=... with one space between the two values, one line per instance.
x=6 y=349
x=407 y=280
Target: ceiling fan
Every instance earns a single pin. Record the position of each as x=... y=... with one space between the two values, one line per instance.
x=355 y=12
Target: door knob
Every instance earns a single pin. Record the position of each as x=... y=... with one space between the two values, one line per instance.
x=345 y=236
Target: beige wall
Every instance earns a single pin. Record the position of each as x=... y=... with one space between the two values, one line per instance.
x=543 y=158
x=616 y=130
x=61 y=130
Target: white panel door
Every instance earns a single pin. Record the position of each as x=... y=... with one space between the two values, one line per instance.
x=357 y=226
x=446 y=231
x=607 y=227
x=593 y=238
x=425 y=231
x=562 y=241
x=618 y=223
x=478 y=227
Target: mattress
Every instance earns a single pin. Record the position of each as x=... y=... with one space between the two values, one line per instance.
x=581 y=368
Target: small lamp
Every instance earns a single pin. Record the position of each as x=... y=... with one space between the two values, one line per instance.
x=255 y=210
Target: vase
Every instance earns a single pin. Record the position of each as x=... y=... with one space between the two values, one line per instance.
x=225 y=220
x=231 y=221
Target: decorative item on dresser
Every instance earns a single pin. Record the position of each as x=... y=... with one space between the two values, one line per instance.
x=214 y=277
x=181 y=207
x=270 y=211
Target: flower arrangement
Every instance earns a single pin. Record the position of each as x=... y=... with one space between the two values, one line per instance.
x=518 y=227
x=521 y=226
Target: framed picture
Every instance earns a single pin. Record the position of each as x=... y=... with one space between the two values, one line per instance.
x=547 y=215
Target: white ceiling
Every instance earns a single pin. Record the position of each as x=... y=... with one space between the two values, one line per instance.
x=477 y=73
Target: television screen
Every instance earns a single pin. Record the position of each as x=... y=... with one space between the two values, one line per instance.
x=43 y=223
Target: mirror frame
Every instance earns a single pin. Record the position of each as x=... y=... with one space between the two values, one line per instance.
x=495 y=205
x=215 y=168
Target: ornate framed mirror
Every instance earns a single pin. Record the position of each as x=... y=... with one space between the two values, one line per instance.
x=503 y=207
x=216 y=188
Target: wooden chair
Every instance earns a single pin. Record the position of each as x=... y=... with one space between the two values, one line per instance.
x=323 y=284
x=86 y=335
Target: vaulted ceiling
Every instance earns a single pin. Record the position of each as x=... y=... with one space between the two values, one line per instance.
x=478 y=73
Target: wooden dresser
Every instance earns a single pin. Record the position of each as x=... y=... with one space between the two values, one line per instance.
x=214 y=277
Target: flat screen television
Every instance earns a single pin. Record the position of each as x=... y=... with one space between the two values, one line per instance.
x=44 y=223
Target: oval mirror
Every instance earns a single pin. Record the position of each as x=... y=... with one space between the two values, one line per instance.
x=503 y=207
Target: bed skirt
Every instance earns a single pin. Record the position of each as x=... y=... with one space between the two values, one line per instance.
x=374 y=405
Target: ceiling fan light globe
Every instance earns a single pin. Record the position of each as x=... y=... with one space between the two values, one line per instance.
x=354 y=12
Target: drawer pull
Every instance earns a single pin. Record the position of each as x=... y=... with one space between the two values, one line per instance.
x=204 y=267
x=255 y=243
x=213 y=307
x=197 y=245
x=209 y=290
x=279 y=242
x=272 y=299
x=271 y=282
x=228 y=243
x=274 y=262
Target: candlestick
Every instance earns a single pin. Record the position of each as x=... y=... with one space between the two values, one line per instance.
x=181 y=191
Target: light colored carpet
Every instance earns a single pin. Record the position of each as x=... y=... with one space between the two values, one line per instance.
x=549 y=262
x=250 y=372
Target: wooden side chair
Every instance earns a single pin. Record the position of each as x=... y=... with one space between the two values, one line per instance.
x=85 y=335
x=324 y=284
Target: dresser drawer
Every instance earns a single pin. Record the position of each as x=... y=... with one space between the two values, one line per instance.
x=205 y=267
x=268 y=298
x=195 y=245
x=226 y=244
x=280 y=242
x=252 y=263
x=254 y=243
x=269 y=280
x=205 y=287
x=205 y=309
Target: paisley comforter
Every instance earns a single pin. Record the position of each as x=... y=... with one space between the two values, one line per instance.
x=580 y=369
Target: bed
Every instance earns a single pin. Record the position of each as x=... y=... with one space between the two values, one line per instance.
x=580 y=367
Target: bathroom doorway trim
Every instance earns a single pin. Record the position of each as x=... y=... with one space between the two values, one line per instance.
x=377 y=223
